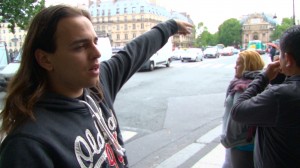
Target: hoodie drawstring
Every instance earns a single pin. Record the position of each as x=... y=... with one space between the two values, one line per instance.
x=98 y=117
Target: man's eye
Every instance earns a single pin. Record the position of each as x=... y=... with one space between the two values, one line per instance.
x=79 y=46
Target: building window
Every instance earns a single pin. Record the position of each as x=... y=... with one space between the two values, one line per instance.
x=133 y=35
x=133 y=18
x=133 y=26
x=142 y=25
x=133 y=9
x=125 y=10
x=125 y=18
x=142 y=17
x=142 y=9
x=103 y=13
x=118 y=36
x=126 y=36
x=125 y=27
x=108 y=12
x=118 y=11
x=118 y=27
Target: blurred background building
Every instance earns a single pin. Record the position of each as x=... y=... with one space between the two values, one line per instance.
x=257 y=26
x=13 y=41
x=123 y=20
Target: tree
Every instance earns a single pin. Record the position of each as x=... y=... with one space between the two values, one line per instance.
x=230 y=32
x=279 y=29
x=18 y=13
x=205 y=38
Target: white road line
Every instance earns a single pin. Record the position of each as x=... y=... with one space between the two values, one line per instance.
x=206 y=65
x=127 y=135
x=217 y=65
x=214 y=159
x=211 y=135
x=180 y=157
x=230 y=66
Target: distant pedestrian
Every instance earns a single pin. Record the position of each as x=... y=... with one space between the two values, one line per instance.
x=272 y=53
x=59 y=110
x=236 y=137
x=275 y=110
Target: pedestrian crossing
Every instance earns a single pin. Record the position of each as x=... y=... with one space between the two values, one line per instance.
x=203 y=65
x=213 y=159
x=206 y=65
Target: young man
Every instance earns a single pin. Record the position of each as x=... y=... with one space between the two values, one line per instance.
x=276 y=110
x=59 y=107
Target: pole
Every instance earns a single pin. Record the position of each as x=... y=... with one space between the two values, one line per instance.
x=294 y=22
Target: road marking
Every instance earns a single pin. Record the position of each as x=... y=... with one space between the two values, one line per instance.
x=230 y=66
x=202 y=65
x=183 y=155
x=217 y=65
x=214 y=159
x=211 y=135
x=127 y=135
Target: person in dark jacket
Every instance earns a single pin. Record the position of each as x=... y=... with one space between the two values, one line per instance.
x=59 y=106
x=272 y=53
x=275 y=110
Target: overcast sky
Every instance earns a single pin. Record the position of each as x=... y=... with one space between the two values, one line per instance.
x=214 y=12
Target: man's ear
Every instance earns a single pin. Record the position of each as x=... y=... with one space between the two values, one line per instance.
x=43 y=60
x=289 y=60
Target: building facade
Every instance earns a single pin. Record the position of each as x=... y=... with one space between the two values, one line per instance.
x=257 y=26
x=124 y=20
x=13 y=41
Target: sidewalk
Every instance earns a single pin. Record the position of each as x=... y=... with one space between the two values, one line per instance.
x=213 y=159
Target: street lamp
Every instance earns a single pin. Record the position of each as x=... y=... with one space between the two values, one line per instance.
x=294 y=22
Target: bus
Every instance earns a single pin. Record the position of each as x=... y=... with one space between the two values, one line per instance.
x=257 y=45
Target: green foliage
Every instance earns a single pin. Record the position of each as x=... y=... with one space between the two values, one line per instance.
x=230 y=32
x=279 y=29
x=205 y=38
x=19 y=12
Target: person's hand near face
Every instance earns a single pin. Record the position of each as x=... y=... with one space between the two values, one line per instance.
x=273 y=69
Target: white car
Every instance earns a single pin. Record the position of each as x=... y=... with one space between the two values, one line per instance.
x=192 y=54
x=211 y=52
x=176 y=55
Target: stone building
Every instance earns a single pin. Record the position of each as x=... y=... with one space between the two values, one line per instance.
x=124 y=20
x=257 y=26
x=13 y=41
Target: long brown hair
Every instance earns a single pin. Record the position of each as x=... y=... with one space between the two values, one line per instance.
x=30 y=81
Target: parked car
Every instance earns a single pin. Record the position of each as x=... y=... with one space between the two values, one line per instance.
x=211 y=52
x=176 y=54
x=161 y=57
x=4 y=57
x=10 y=70
x=192 y=54
x=116 y=49
x=236 y=51
x=105 y=48
x=227 y=51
